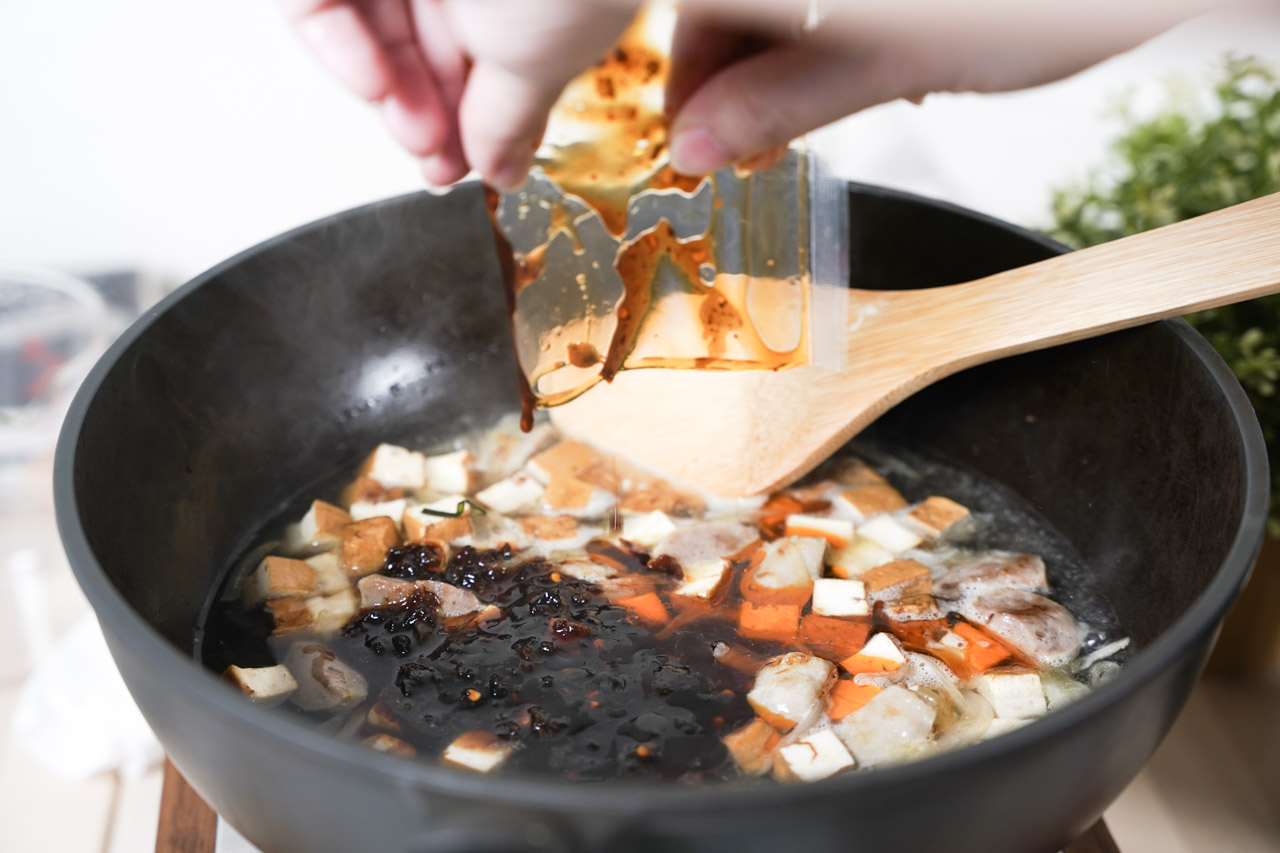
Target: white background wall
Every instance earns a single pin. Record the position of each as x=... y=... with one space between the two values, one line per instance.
x=169 y=134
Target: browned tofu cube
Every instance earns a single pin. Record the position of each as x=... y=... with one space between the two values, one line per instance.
x=289 y=614
x=935 y=514
x=913 y=608
x=874 y=499
x=264 y=685
x=848 y=471
x=390 y=744
x=365 y=544
x=549 y=527
x=480 y=751
x=660 y=496
x=568 y=458
x=365 y=489
x=319 y=530
x=280 y=577
x=752 y=746
x=565 y=492
x=898 y=579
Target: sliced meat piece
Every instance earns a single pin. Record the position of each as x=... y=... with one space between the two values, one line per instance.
x=454 y=600
x=1021 y=571
x=702 y=543
x=1040 y=628
x=323 y=680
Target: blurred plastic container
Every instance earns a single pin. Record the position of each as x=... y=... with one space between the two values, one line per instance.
x=53 y=327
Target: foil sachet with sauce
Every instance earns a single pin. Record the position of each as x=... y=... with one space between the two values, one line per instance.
x=621 y=263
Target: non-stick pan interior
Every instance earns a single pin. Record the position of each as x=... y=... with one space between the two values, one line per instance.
x=389 y=323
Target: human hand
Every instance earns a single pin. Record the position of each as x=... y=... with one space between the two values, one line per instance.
x=469 y=83
x=461 y=83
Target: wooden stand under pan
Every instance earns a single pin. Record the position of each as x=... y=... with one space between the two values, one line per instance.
x=188 y=825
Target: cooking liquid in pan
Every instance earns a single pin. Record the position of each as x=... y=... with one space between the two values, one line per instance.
x=579 y=686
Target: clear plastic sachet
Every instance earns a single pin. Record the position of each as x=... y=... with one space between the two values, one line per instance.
x=620 y=263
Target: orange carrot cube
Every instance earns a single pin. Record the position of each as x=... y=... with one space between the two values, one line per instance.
x=847 y=697
x=769 y=621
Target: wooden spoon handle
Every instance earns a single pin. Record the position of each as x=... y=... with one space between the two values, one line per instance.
x=1214 y=259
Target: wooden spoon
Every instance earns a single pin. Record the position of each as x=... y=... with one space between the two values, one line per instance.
x=742 y=433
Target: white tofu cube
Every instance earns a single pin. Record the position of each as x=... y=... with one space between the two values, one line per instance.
x=856 y=558
x=788 y=688
x=512 y=494
x=837 y=597
x=783 y=566
x=881 y=653
x=838 y=532
x=449 y=472
x=279 y=577
x=361 y=510
x=1014 y=695
x=703 y=580
x=817 y=755
x=319 y=529
x=264 y=685
x=480 y=751
x=813 y=551
x=331 y=577
x=647 y=530
x=397 y=467
x=330 y=612
x=883 y=645
x=890 y=534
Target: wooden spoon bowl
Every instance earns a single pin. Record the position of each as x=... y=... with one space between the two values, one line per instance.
x=743 y=433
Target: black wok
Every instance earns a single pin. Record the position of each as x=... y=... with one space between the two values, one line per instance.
x=387 y=322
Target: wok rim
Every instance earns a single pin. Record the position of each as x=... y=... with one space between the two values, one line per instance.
x=626 y=798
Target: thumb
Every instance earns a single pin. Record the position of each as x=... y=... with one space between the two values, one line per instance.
x=770 y=98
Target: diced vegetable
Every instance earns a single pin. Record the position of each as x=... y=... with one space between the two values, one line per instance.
x=648 y=608
x=880 y=654
x=847 y=697
x=769 y=621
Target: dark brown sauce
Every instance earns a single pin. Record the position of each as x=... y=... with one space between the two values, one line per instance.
x=585 y=692
x=507 y=261
x=583 y=354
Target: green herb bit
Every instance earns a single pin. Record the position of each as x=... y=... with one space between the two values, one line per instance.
x=458 y=513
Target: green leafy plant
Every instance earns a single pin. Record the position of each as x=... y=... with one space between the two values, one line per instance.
x=1186 y=161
